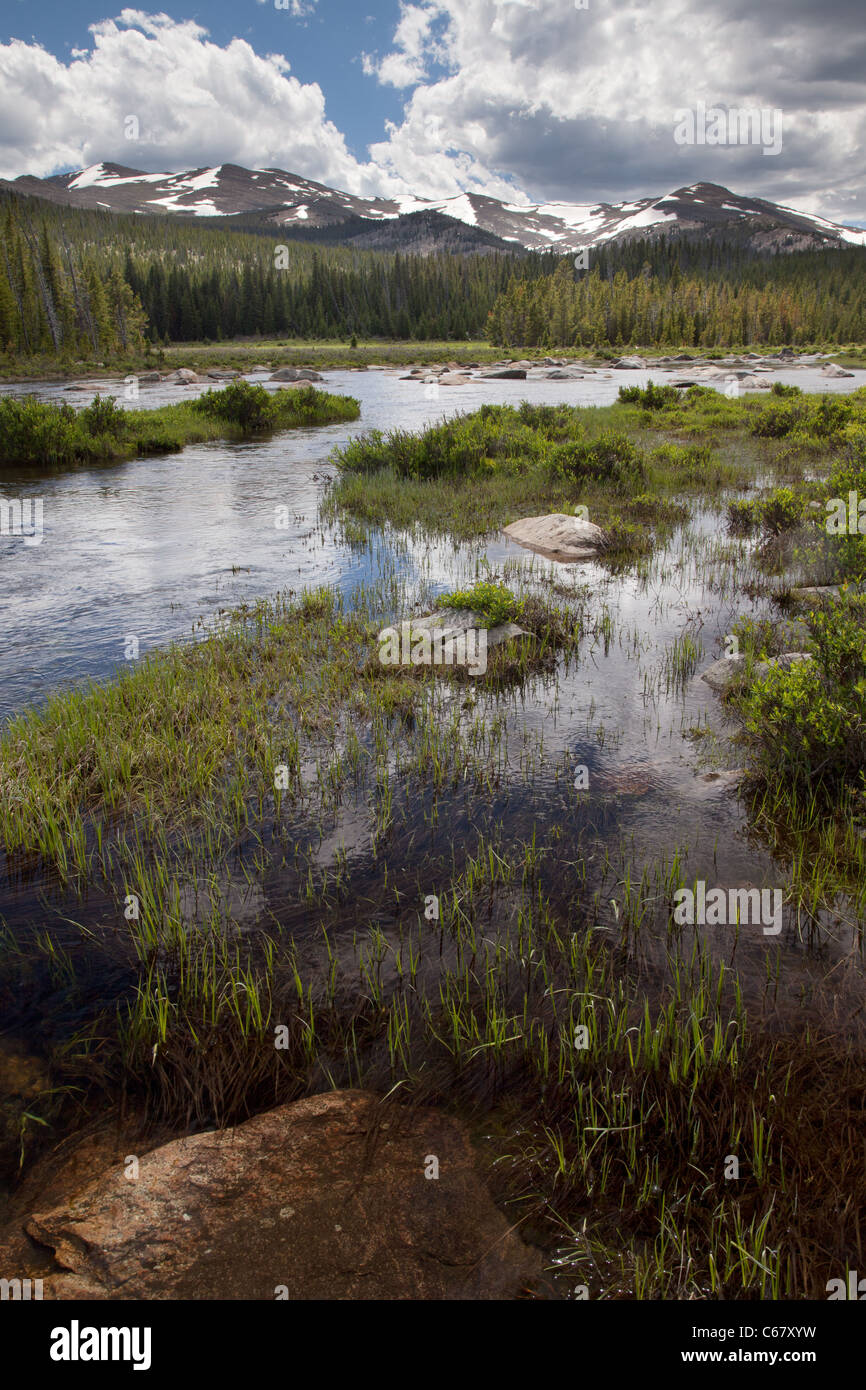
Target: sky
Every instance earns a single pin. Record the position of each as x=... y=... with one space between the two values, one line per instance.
x=525 y=100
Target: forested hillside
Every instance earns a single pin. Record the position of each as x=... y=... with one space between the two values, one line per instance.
x=81 y=284
x=77 y=281
x=677 y=293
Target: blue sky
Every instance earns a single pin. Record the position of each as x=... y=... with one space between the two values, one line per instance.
x=526 y=100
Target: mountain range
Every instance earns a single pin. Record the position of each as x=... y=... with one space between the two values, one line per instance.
x=273 y=198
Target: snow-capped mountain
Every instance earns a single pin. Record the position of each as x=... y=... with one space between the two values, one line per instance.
x=704 y=210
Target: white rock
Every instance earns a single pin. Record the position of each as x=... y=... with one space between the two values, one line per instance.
x=559 y=536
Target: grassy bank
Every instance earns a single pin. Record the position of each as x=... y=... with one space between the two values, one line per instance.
x=33 y=433
x=242 y=354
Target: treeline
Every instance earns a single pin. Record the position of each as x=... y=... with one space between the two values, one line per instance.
x=57 y=294
x=80 y=283
x=84 y=282
x=663 y=295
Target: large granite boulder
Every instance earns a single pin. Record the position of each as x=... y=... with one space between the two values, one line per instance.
x=339 y=1196
x=296 y=374
x=558 y=536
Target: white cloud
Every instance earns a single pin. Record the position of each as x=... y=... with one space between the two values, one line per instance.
x=513 y=98
x=197 y=104
x=580 y=103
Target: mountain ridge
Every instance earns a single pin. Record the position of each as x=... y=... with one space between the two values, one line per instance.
x=284 y=200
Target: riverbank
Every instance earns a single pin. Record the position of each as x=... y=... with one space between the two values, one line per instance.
x=245 y=354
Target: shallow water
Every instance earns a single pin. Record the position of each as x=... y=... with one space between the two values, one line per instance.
x=150 y=548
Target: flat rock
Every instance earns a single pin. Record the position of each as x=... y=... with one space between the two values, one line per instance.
x=148 y=378
x=783 y=662
x=505 y=374
x=454 y=622
x=561 y=374
x=296 y=374
x=721 y=673
x=724 y=781
x=833 y=369
x=632 y=364
x=184 y=376
x=454 y=379
x=812 y=595
x=324 y=1198
x=558 y=536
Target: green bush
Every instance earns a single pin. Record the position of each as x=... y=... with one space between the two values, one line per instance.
x=494 y=602
x=782 y=510
x=807 y=724
x=651 y=397
x=743 y=517
x=778 y=421
x=611 y=458
x=240 y=403
x=806 y=727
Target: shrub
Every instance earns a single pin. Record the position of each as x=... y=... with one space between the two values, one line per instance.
x=494 y=602
x=782 y=510
x=742 y=517
x=651 y=397
x=610 y=458
x=103 y=416
x=777 y=421
x=240 y=403
x=805 y=726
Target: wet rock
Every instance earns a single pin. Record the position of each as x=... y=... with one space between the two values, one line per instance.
x=325 y=1198
x=148 y=378
x=783 y=662
x=22 y=1075
x=454 y=379
x=452 y=624
x=558 y=536
x=813 y=595
x=184 y=376
x=222 y=374
x=723 y=672
x=296 y=374
x=505 y=374
x=723 y=781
